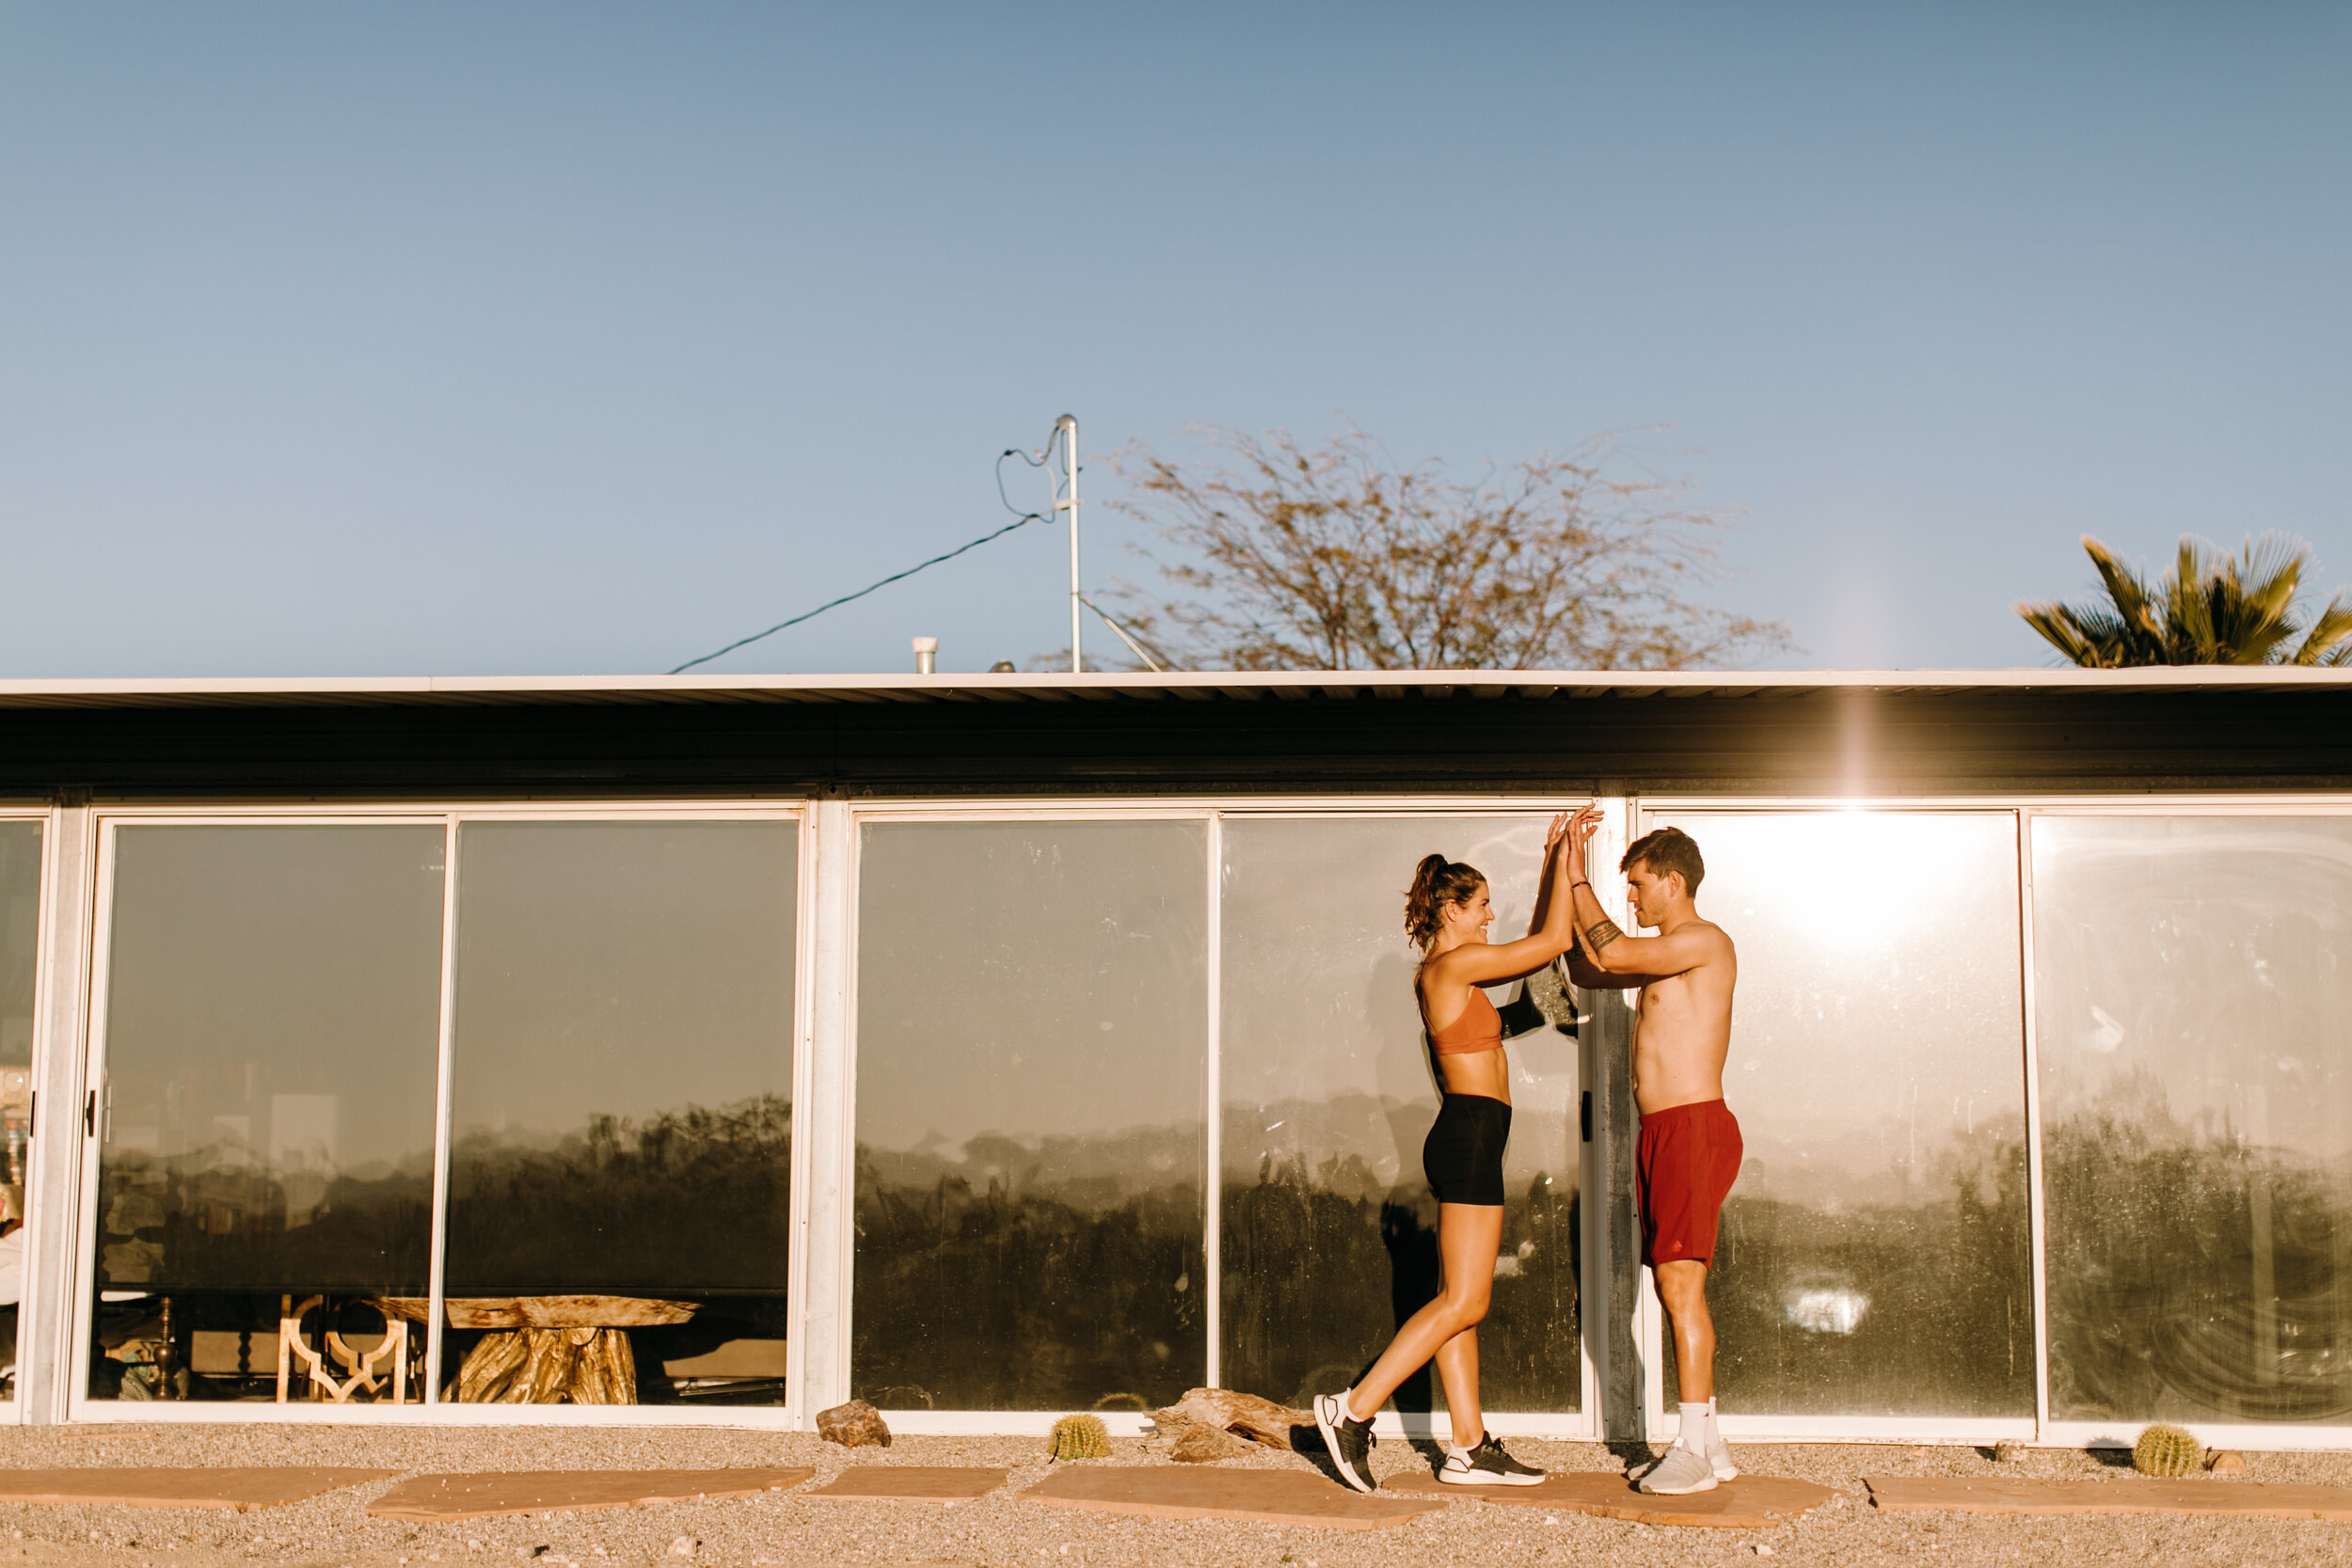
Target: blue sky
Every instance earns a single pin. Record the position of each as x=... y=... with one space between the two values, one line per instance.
x=518 y=338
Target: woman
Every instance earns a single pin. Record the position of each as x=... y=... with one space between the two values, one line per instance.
x=1447 y=912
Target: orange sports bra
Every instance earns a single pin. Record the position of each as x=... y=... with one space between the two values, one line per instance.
x=1478 y=1028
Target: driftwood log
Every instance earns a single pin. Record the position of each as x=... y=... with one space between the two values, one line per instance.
x=1243 y=1416
x=545 y=1350
x=549 y=1366
x=1201 y=1445
x=510 y=1312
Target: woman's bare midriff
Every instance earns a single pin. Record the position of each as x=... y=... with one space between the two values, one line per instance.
x=1479 y=1072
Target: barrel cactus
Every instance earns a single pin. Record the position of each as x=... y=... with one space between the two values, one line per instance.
x=1081 y=1437
x=2165 y=1450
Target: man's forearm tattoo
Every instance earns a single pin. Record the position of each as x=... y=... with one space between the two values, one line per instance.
x=1601 y=933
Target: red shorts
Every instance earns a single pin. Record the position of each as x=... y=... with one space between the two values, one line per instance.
x=1683 y=1167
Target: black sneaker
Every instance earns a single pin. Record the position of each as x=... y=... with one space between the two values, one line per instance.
x=1486 y=1465
x=1348 y=1439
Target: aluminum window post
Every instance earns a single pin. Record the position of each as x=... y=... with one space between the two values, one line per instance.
x=45 y=1337
x=830 y=1116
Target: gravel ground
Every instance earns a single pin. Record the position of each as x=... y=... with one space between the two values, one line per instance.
x=782 y=1529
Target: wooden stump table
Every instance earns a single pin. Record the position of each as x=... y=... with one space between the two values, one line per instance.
x=547 y=1349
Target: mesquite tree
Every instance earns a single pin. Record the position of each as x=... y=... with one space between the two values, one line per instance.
x=1337 y=557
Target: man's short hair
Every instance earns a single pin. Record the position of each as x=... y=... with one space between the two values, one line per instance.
x=1668 y=850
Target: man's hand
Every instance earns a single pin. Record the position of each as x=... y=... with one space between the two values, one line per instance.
x=1581 y=831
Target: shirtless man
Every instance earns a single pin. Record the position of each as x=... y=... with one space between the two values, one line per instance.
x=1689 y=1152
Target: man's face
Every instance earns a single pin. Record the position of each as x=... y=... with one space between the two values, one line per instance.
x=1651 y=892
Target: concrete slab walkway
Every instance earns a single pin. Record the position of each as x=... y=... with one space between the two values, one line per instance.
x=482 y=1496
x=911 y=1483
x=2229 y=1499
x=241 y=1490
x=1205 y=1492
x=1752 y=1502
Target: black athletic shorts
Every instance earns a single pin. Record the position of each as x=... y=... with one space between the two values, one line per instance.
x=1463 y=1154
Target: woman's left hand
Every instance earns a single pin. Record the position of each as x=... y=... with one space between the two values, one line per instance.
x=1559 y=831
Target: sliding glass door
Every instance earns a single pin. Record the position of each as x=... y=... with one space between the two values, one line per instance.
x=20 y=873
x=1049 y=1013
x=266 y=1111
x=2193 y=1020
x=1032 y=1059
x=1875 y=1256
x=1329 y=1232
x=563 y=1061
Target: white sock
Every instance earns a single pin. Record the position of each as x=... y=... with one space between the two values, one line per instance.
x=1715 y=1430
x=1347 y=1407
x=1693 y=1433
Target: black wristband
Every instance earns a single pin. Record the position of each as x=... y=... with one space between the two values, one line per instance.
x=1578 y=883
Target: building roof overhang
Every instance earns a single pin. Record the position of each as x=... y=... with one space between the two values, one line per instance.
x=1218 y=685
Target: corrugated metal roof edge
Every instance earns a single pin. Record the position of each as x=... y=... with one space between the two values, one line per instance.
x=1210 y=685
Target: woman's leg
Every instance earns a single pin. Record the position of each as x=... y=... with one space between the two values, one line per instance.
x=1468 y=1235
x=1457 y=1373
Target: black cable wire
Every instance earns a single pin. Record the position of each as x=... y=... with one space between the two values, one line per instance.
x=1032 y=462
x=1020 y=518
x=895 y=576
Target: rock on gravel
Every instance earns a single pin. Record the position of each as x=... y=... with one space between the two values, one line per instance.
x=853 y=1425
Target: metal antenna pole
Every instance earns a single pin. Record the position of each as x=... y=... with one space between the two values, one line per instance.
x=1067 y=428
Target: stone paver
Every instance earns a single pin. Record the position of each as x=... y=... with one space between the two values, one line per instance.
x=1752 y=1502
x=911 y=1483
x=241 y=1489
x=2241 y=1500
x=482 y=1496
x=1266 y=1496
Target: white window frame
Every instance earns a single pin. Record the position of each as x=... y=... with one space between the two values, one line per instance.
x=75 y=1357
x=1213 y=811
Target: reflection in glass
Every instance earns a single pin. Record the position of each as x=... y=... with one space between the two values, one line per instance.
x=19 y=936
x=273 y=1014
x=621 y=1098
x=1329 y=1229
x=1031 y=1067
x=2193 y=1021
x=1874 y=1255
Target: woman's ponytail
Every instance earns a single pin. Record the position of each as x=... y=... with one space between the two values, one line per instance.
x=1436 y=882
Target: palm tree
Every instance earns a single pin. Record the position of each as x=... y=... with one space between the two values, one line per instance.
x=2209 y=608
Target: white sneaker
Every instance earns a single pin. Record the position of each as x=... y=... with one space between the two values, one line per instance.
x=1718 y=1455
x=1680 y=1472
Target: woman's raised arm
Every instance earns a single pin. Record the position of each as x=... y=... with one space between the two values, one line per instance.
x=1550 y=932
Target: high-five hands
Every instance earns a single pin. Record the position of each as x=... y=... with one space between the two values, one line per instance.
x=1559 y=831
x=1581 y=831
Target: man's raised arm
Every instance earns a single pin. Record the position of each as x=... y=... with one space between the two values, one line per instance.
x=1602 y=950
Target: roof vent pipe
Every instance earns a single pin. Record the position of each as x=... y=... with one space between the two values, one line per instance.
x=927 y=655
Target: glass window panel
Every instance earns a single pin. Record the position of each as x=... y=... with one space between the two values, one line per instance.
x=2193 y=1022
x=19 y=937
x=621 y=1096
x=273 y=1019
x=1875 y=1254
x=1329 y=1228
x=1031 y=1072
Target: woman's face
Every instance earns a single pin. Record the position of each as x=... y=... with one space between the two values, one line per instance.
x=1470 y=919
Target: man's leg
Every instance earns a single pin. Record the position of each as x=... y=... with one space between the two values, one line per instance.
x=1689 y=1465
x=1682 y=1290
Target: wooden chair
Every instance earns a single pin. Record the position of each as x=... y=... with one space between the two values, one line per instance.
x=366 y=1372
